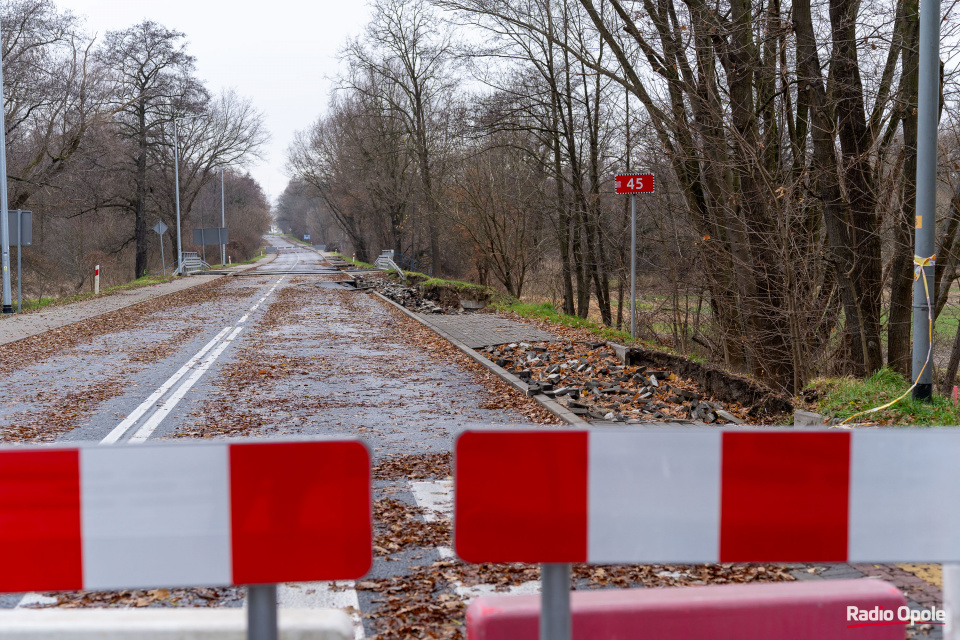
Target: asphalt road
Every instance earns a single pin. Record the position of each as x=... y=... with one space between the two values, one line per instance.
x=279 y=351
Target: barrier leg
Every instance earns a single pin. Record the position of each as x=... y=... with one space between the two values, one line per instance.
x=262 y=612
x=555 y=602
x=951 y=600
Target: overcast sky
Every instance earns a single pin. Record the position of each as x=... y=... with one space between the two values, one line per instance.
x=279 y=54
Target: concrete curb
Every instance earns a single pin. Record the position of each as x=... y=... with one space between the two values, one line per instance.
x=549 y=404
x=166 y=624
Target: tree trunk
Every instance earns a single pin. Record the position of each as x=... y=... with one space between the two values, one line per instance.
x=901 y=268
x=946 y=387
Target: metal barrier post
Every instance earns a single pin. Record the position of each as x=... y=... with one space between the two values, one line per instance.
x=951 y=600
x=262 y=612
x=554 y=601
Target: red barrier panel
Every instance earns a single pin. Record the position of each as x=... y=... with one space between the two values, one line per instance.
x=813 y=610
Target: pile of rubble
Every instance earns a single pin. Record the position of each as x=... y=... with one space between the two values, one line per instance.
x=409 y=297
x=589 y=379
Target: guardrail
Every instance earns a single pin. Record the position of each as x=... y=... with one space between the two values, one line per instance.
x=193 y=263
x=385 y=262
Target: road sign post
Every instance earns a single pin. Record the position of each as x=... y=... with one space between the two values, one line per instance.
x=161 y=229
x=633 y=184
x=24 y=237
x=19 y=235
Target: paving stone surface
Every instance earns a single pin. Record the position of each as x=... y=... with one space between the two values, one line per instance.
x=484 y=329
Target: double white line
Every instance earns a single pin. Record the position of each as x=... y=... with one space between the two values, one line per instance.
x=151 y=412
x=155 y=410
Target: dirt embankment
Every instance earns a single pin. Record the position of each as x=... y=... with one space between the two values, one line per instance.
x=727 y=387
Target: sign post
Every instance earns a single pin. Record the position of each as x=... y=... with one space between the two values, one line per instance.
x=21 y=233
x=633 y=184
x=555 y=620
x=161 y=229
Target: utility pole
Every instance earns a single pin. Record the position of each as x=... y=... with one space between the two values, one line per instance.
x=4 y=212
x=928 y=107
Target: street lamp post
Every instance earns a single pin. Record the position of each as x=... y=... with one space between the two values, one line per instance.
x=4 y=212
x=223 y=217
x=176 y=179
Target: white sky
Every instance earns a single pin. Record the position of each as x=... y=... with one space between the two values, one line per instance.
x=281 y=54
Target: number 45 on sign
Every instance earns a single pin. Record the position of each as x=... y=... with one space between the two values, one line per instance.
x=635 y=183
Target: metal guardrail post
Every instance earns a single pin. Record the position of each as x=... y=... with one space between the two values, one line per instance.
x=262 y=612
x=555 y=601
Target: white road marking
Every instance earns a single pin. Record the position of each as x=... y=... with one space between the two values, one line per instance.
x=323 y=595
x=243 y=319
x=436 y=499
x=150 y=426
x=34 y=598
x=149 y=403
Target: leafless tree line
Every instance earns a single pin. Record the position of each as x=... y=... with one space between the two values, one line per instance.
x=482 y=137
x=89 y=125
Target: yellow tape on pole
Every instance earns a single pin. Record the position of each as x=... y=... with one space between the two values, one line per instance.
x=918 y=266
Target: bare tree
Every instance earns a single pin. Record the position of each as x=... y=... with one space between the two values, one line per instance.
x=153 y=79
x=405 y=46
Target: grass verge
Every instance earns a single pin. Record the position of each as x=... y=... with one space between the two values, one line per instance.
x=461 y=287
x=146 y=281
x=843 y=397
x=547 y=312
x=297 y=240
x=358 y=263
x=260 y=255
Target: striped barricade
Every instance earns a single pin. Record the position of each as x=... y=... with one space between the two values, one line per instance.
x=658 y=495
x=183 y=515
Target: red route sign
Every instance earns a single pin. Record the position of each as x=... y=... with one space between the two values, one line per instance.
x=635 y=183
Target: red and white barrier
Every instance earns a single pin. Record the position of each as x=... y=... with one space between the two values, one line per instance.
x=687 y=496
x=184 y=515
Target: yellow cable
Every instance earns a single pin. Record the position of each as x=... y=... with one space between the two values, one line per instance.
x=919 y=264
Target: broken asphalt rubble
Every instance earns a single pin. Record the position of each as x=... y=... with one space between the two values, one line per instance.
x=590 y=380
